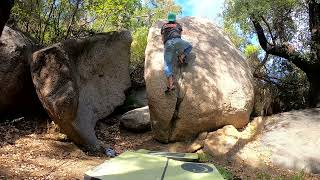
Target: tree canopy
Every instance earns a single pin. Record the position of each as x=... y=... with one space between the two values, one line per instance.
x=289 y=31
x=54 y=20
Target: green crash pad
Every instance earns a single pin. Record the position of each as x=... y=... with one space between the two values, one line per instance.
x=139 y=166
x=179 y=170
x=192 y=157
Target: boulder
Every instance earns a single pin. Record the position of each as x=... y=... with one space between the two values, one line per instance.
x=16 y=89
x=215 y=89
x=228 y=140
x=288 y=140
x=80 y=81
x=137 y=119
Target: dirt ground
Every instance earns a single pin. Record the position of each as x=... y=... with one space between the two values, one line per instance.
x=33 y=148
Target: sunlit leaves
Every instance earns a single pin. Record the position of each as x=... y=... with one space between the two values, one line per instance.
x=251 y=50
x=138 y=45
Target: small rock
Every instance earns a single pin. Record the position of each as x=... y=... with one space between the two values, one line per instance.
x=202 y=136
x=137 y=119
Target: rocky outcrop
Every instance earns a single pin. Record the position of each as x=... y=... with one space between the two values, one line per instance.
x=292 y=139
x=16 y=89
x=288 y=140
x=214 y=90
x=228 y=140
x=137 y=119
x=82 y=81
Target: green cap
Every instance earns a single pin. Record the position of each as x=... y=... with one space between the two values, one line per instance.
x=171 y=16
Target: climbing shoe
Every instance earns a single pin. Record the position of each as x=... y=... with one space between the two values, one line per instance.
x=183 y=61
x=169 y=90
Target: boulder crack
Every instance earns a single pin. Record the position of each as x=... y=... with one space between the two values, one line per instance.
x=180 y=97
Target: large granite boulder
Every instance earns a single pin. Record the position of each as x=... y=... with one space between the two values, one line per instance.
x=16 y=89
x=214 y=90
x=81 y=81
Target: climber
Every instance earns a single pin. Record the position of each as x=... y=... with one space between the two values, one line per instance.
x=174 y=47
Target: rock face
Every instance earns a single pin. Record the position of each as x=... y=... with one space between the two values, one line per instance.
x=16 y=87
x=293 y=139
x=82 y=81
x=137 y=119
x=288 y=140
x=214 y=90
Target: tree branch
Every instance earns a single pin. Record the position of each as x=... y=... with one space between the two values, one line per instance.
x=269 y=79
x=266 y=79
x=284 y=50
x=269 y=29
x=72 y=18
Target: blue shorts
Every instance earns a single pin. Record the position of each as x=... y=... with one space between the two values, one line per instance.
x=172 y=48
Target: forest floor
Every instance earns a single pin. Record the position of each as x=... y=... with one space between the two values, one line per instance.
x=33 y=148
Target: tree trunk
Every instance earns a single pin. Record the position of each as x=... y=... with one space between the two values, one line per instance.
x=48 y=21
x=314 y=74
x=72 y=18
x=38 y=31
x=313 y=77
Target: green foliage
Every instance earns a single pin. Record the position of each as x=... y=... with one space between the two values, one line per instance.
x=203 y=157
x=231 y=30
x=267 y=176
x=239 y=11
x=294 y=90
x=251 y=50
x=225 y=173
x=112 y=14
x=299 y=176
x=264 y=176
x=281 y=19
x=138 y=45
x=284 y=22
x=54 y=20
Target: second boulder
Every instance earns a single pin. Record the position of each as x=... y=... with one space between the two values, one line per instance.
x=82 y=81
